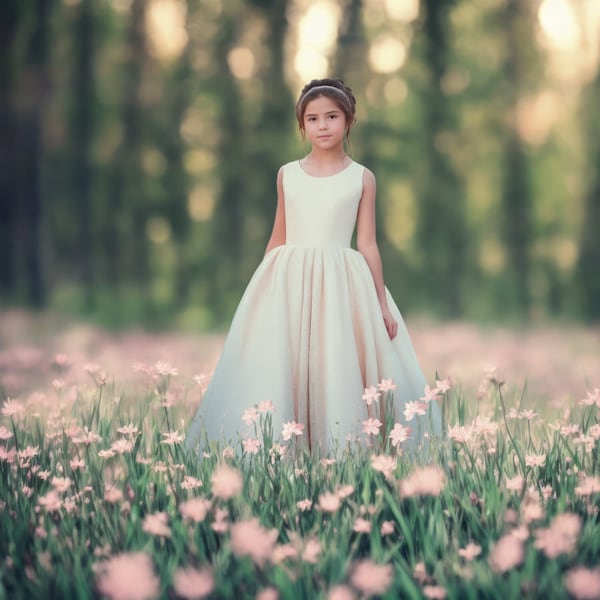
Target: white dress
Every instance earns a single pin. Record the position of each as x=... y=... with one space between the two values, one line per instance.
x=308 y=334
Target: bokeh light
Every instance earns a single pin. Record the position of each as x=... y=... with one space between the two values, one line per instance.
x=165 y=24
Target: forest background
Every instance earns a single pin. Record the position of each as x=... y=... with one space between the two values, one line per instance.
x=140 y=140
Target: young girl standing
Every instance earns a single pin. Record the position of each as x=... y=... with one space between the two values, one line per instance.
x=316 y=324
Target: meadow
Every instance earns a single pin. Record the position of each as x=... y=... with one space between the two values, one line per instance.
x=100 y=499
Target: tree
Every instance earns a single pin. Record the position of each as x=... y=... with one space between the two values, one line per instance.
x=441 y=226
x=588 y=265
x=82 y=134
x=33 y=98
x=10 y=14
x=516 y=21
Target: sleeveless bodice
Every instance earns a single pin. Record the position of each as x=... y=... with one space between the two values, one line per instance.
x=321 y=211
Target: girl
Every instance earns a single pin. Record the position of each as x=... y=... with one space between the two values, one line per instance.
x=316 y=324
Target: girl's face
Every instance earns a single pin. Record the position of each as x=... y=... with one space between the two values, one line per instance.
x=324 y=123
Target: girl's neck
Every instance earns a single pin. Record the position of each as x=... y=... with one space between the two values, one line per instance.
x=320 y=158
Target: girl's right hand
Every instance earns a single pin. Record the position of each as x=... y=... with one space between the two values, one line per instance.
x=390 y=323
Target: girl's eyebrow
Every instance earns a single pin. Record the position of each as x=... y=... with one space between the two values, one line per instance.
x=329 y=112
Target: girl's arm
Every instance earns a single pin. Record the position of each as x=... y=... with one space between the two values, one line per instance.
x=366 y=242
x=278 y=234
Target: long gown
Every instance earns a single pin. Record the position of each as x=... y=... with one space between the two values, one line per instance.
x=308 y=334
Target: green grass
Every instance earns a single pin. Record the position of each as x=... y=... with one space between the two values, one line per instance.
x=46 y=553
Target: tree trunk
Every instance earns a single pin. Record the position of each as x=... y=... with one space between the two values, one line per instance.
x=82 y=135
x=34 y=99
x=9 y=24
x=517 y=227
x=588 y=264
x=441 y=226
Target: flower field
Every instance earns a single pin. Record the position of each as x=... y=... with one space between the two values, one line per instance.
x=99 y=497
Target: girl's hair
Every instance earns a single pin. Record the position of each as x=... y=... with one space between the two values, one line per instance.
x=331 y=88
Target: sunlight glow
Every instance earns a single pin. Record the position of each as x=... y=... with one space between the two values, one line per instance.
x=201 y=203
x=395 y=91
x=387 y=54
x=317 y=34
x=241 y=62
x=158 y=230
x=402 y=10
x=536 y=116
x=165 y=24
x=558 y=22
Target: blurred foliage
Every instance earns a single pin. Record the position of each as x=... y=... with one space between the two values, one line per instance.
x=141 y=140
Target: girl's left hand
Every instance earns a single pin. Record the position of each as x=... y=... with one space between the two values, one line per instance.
x=390 y=323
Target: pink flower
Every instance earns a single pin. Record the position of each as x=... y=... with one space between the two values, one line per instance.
x=429 y=395
x=282 y=552
x=249 y=538
x=387 y=528
x=62 y=360
x=387 y=385
x=588 y=486
x=250 y=416
x=128 y=576
x=341 y=592
x=291 y=428
x=344 y=491
x=371 y=395
x=122 y=446
x=12 y=408
x=51 y=501
x=560 y=537
x=61 y=484
x=199 y=379
x=515 y=484
x=193 y=584
x=156 y=524
x=5 y=434
x=112 y=495
x=226 y=482
x=370 y=578
x=251 y=445
x=91 y=368
x=434 y=592
x=470 y=551
x=528 y=414
x=459 y=433
x=29 y=452
x=86 y=437
x=195 y=509
x=535 y=460
x=265 y=406
x=190 y=483
x=304 y=505
x=506 y=554
x=165 y=368
x=130 y=429
x=172 y=438
x=583 y=583
x=384 y=464
x=424 y=481
x=76 y=463
x=329 y=502
x=311 y=551
x=399 y=434
x=362 y=525
x=443 y=385
x=268 y=593
x=592 y=398
x=371 y=426
x=414 y=408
